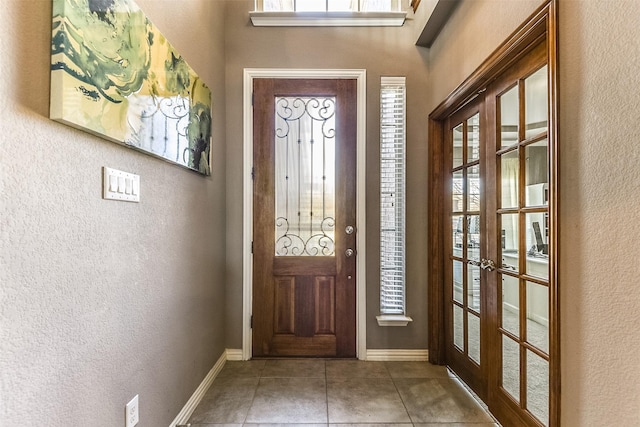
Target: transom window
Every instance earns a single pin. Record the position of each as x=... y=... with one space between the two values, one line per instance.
x=327 y=5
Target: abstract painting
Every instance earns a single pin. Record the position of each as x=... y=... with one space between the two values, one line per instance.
x=115 y=75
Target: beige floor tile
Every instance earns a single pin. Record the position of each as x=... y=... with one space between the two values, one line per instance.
x=356 y=369
x=456 y=425
x=286 y=425
x=227 y=401
x=375 y=425
x=439 y=400
x=364 y=400
x=289 y=400
x=416 y=370
x=236 y=369
x=294 y=368
x=215 y=425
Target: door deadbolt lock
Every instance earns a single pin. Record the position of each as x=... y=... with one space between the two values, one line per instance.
x=349 y=229
x=349 y=253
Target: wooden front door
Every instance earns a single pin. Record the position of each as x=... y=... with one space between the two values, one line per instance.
x=304 y=218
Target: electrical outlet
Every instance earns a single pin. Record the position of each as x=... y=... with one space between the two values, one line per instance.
x=131 y=413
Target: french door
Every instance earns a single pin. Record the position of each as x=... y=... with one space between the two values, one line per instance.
x=495 y=178
x=464 y=283
x=304 y=217
x=518 y=244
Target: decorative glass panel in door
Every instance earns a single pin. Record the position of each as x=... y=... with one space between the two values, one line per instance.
x=305 y=176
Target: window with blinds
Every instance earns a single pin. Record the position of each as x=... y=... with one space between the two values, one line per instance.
x=392 y=195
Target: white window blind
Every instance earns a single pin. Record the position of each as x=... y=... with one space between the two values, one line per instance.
x=392 y=195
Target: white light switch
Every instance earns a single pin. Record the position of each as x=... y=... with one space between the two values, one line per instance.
x=119 y=185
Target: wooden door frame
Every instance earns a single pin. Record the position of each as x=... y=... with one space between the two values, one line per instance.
x=540 y=25
x=247 y=212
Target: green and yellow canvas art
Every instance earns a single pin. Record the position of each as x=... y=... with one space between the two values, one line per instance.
x=115 y=75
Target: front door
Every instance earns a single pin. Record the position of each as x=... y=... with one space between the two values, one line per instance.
x=304 y=218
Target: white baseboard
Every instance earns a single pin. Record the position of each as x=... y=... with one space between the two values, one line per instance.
x=396 y=355
x=234 y=354
x=197 y=396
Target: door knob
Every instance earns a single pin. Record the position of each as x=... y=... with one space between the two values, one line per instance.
x=349 y=253
x=487 y=264
x=349 y=229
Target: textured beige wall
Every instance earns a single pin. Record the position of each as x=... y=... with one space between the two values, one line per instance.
x=102 y=300
x=381 y=51
x=599 y=182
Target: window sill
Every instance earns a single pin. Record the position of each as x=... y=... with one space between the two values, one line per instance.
x=327 y=19
x=393 y=320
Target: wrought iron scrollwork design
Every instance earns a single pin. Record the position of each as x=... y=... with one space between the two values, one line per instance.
x=305 y=155
x=291 y=110
x=319 y=244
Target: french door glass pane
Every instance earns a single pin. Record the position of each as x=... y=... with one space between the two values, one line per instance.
x=457 y=226
x=458 y=142
x=538 y=316
x=509 y=117
x=511 y=367
x=473 y=287
x=473 y=237
x=511 y=304
x=473 y=138
x=538 y=387
x=509 y=174
x=458 y=327
x=457 y=185
x=305 y=176
x=537 y=174
x=536 y=106
x=537 y=244
x=457 y=281
x=473 y=188
x=473 y=322
x=509 y=241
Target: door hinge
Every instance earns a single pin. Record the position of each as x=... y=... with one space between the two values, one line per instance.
x=253 y=98
x=253 y=173
x=252 y=246
x=251 y=322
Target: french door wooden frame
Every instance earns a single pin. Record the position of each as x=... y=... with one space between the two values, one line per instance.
x=540 y=27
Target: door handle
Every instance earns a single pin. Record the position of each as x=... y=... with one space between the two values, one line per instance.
x=349 y=253
x=487 y=264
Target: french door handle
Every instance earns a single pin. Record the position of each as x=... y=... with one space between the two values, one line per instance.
x=487 y=264
x=472 y=262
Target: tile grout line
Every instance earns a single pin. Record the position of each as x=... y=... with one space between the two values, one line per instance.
x=393 y=380
x=253 y=399
x=326 y=391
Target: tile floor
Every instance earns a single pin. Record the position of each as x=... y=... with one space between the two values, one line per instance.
x=316 y=392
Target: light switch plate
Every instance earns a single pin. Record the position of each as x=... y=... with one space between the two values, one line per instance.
x=119 y=185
